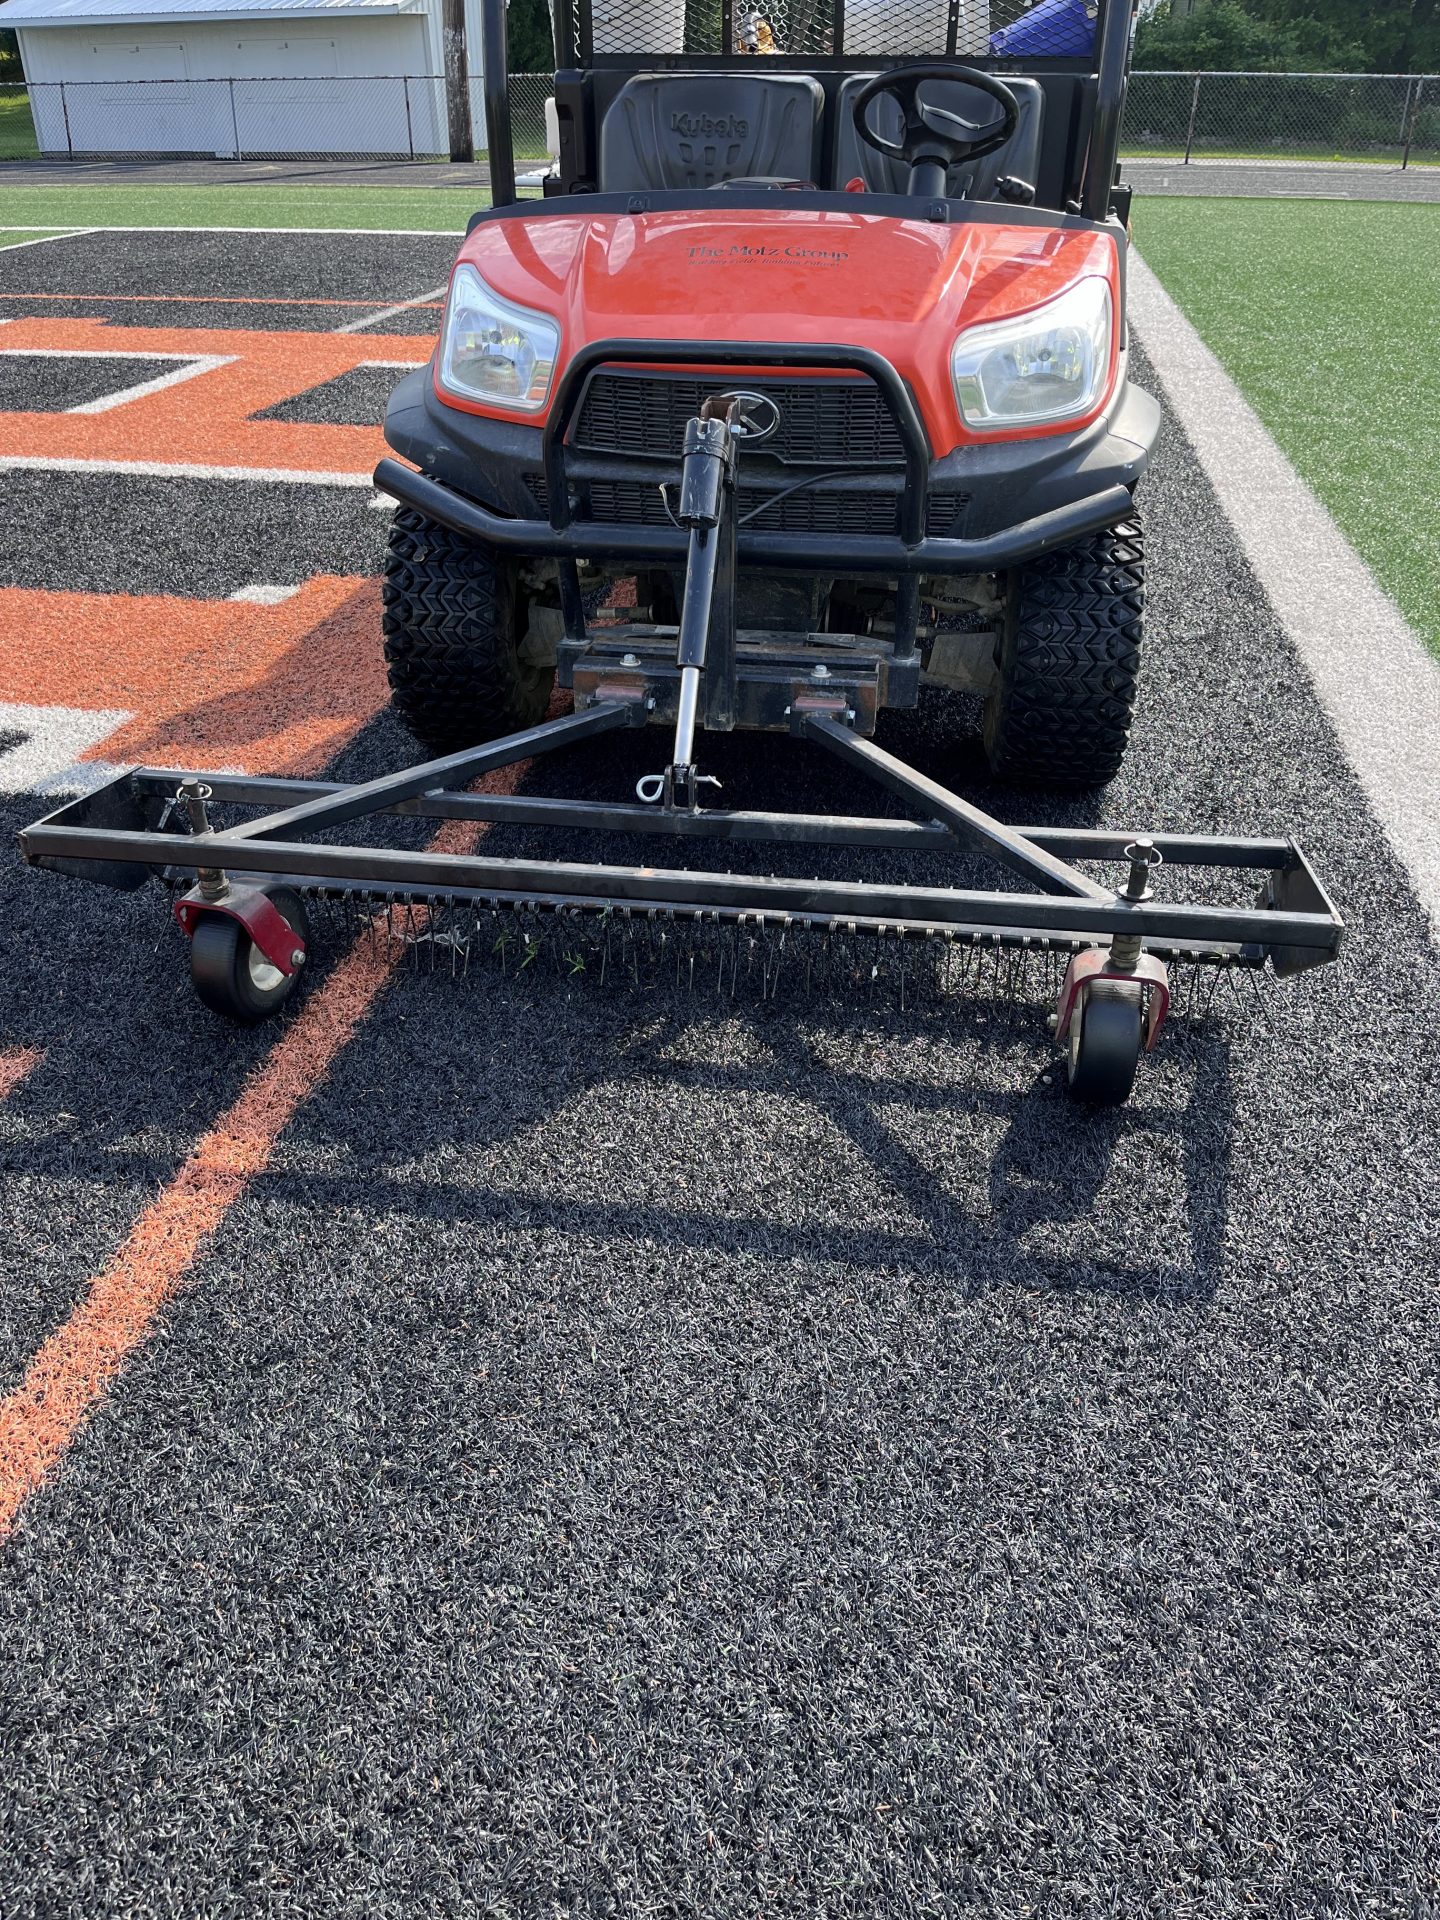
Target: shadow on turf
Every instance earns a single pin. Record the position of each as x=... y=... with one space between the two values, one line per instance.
x=1064 y=1205
x=1061 y=1204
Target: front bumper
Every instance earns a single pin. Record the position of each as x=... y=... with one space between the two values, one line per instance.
x=491 y=480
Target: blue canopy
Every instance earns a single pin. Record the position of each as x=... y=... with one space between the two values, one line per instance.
x=1056 y=27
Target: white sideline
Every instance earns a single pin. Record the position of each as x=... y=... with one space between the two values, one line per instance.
x=1375 y=680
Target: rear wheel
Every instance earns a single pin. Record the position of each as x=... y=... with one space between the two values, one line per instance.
x=1069 y=657
x=456 y=643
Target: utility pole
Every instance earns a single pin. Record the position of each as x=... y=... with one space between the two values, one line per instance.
x=457 y=80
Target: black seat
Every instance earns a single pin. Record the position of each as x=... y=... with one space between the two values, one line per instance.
x=699 y=129
x=971 y=179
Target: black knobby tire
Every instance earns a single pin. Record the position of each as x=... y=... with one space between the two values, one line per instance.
x=1106 y=1039
x=454 y=627
x=229 y=972
x=1068 y=662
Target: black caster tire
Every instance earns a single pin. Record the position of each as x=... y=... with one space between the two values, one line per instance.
x=229 y=972
x=1107 y=1033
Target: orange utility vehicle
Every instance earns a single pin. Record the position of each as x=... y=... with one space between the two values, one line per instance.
x=821 y=355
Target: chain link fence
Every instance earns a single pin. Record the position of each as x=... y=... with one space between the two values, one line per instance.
x=1364 y=116
x=1348 y=116
x=376 y=116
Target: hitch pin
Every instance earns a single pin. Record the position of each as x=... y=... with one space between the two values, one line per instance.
x=213 y=882
x=1144 y=856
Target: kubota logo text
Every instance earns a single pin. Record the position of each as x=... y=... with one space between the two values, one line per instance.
x=709 y=126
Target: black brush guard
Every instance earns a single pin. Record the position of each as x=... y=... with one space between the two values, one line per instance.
x=155 y=822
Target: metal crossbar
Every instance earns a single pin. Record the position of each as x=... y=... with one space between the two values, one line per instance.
x=105 y=828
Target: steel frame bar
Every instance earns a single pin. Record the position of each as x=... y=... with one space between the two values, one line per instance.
x=809 y=829
x=566 y=883
x=374 y=796
x=976 y=829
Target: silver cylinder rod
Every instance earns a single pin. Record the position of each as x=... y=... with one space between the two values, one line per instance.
x=688 y=707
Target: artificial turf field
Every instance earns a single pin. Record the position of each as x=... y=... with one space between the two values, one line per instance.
x=1312 y=306
x=519 y=1446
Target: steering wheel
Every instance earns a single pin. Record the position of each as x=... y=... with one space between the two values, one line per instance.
x=934 y=139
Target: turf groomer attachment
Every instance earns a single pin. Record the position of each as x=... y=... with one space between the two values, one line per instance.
x=817 y=368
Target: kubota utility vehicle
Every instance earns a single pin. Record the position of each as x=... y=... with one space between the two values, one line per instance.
x=820 y=354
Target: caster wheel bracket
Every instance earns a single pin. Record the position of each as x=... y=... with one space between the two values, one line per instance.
x=1094 y=964
x=257 y=913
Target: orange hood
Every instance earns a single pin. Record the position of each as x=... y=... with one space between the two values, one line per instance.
x=903 y=288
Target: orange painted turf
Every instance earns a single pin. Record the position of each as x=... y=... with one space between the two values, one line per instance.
x=221 y=682
x=208 y=421
x=265 y=688
x=17 y=1064
x=75 y=1366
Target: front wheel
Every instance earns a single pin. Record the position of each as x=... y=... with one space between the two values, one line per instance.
x=463 y=667
x=1068 y=661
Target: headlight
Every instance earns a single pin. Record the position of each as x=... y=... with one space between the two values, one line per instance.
x=491 y=350
x=1051 y=364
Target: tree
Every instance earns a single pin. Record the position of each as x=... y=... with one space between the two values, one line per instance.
x=532 y=42
x=1386 y=36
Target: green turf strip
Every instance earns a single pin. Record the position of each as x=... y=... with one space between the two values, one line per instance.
x=17 y=130
x=431 y=209
x=1323 y=313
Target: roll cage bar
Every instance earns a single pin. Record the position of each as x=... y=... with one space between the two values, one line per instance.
x=1105 y=68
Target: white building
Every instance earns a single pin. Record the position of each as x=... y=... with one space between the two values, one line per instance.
x=239 y=77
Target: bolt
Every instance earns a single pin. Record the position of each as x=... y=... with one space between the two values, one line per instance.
x=820 y=671
x=629 y=659
x=195 y=793
x=297 y=958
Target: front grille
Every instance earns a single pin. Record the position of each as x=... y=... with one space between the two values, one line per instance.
x=823 y=422
x=638 y=503
x=614 y=501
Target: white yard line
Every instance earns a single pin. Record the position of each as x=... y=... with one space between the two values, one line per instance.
x=44 y=236
x=46 y=758
x=260 y=595
x=178 y=470
x=390 y=313
x=403 y=233
x=186 y=367
x=1375 y=680
x=193 y=364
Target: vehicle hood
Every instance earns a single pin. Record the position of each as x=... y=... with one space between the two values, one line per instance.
x=903 y=288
